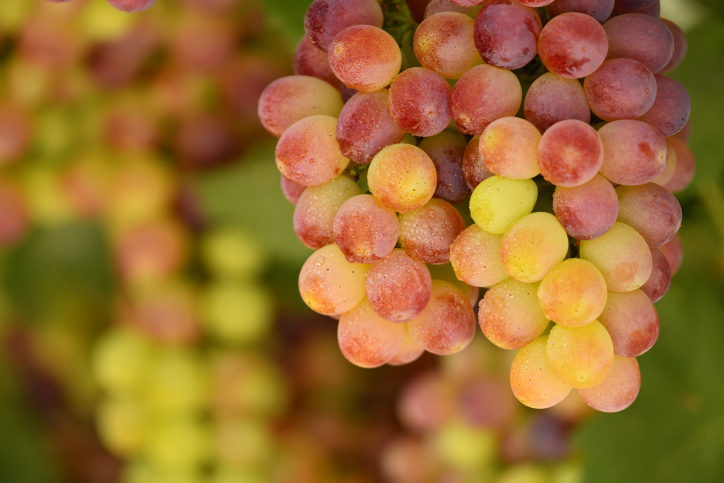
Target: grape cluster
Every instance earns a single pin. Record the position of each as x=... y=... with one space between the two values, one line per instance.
x=559 y=127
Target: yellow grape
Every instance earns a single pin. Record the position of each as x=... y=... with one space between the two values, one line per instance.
x=402 y=178
x=120 y=361
x=533 y=246
x=580 y=356
x=497 y=203
x=237 y=312
x=475 y=257
x=532 y=378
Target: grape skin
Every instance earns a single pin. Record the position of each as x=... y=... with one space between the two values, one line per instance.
x=685 y=166
x=364 y=231
x=532 y=378
x=632 y=322
x=552 y=98
x=653 y=10
x=474 y=169
x=131 y=6
x=570 y=153
x=440 y=6
x=291 y=190
x=580 y=356
x=402 y=178
x=651 y=210
x=618 y=391
x=426 y=403
x=658 y=283
x=680 y=46
x=427 y=233
x=586 y=211
x=671 y=109
x=620 y=89
x=492 y=206
x=634 y=153
x=506 y=33
x=485 y=402
x=446 y=151
x=669 y=168
x=444 y=44
x=573 y=293
x=420 y=102
x=601 y=10
x=475 y=258
x=312 y=61
x=573 y=45
x=508 y=147
x=366 y=339
x=408 y=352
x=326 y=18
x=640 y=37
x=674 y=253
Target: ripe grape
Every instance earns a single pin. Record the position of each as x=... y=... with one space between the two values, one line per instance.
x=485 y=402
x=674 y=253
x=177 y=443
x=440 y=6
x=347 y=92
x=408 y=352
x=570 y=153
x=671 y=109
x=451 y=54
x=685 y=166
x=447 y=325
x=365 y=126
x=364 y=57
x=580 y=356
x=532 y=378
x=316 y=209
x=498 y=202
x=221 y=308
x=586 y=211
x=620 y=89
x=572 y=45
x=427 y=233
x=633 y=4
x=312 y=61
x=601 y=10
x=633 y=152
x=573 y=293
x=121 y=423
x=364 y=231
x=291 y=190
x=619 y=390
x=398 y=287
x=402 y=178
x=420 y=102
x=510 y=315
x=446 y=150
x=506 y=33
x=669 y=168
x=131 y=6
x=631 y=320
x=326 y=18
x=640 y=37
x=552 y=98
x=467 y=3
x=120 y=359
x=508 y=147
x=366 y=339
x=329 y=284
x=622 y=256
x=680 y=46
x=177 y=382
x=475 y=257
x=651 y=210
x=474 y=169
x=658 y=283
x=426 y=403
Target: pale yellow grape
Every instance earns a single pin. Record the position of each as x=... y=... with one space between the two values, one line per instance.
x=231 y=252
x=402 y=178
x=120 y=360
x=497 y=202
x=121 y=423
x=475 y=257
x=237 y=312
x=243 y=442
x=580 y=356
x=573 y=293
x=176 y=443
x=618 y=390
x=532 y=378
x=366 y=339
x=466 y=448
x=178 y=381
x=533 y=246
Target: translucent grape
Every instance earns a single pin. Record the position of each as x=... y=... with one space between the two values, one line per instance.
x=475 y=257
x=326 y=18
x=573 y=45
x=498 y=202
x=408 y=352
x=312 y=61
x=364 y=231
x=482 y=95
x=640 y=37
x=552 y=98
x=289 y=99
x=447 y=325
x=474 y=169
x=651 y=210
x=508 y=147
x=308 y=153
x=510 y=315
x=398 y=288
x=329 y=284
x=580 y=356
x=532 y=246
x=506 y=33
x=420 y=102
x=586 y=211
x=364 y=57
x=366 y=339
x=573 y=293
x=365 y=126
x=444 y=43
x=633 y=152
x=632 y=322
x=620 y=89
x=446 y=150
x=601 y=10
x=680 y=46
x=316 y=209
x=402 y=178
x=658 y=283
x=427 y=233
x=674 y=254
x=685 y=166
x=622 y=256
x=570 y=153
x=440 y=6
x=291 y=190
x=532 y=378
x=619 y=390
x=671 y=109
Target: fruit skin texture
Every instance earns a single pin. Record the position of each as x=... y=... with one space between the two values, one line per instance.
x=131 y=6
x=573 y=45
x=326 y=18
x=498 y=202
x=366 y=339
x=532 y=378
x=580 y=356
x=402 y=178
x=618 y=391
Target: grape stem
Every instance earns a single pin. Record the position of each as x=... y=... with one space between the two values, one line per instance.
x=398 y=20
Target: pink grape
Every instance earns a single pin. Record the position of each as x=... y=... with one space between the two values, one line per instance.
x=685 y=166
x=366 y=339
x=131 y=6
x=467 y=3
x=619 y=390
x=532 y=378
x=444 y=44
x=631 y=320
x=440 y=6
x=506 y=33
x=640 y=37
x=426 y=403
x=446 y=151
x=402 y=178
x=671 y=109
x=475 y=257
x=427 y=233
x=364 y=57
x=633 y=4
x=601 y=10
x=669 y=168
x=658 y=283
x=485 y=402
x=570 y=153
x=633 y=152
x=680 y=46
x=650 y=209
x=364 y=231
x=408 y=352
x=326 y=18
x=674 y=254
x=586 y=211
x=291 y=190
x=552 y=98
x=509 y=148
x=420 y=102
x=312 y=61
x=572 y=45
x=653 y=10
x=474 y=169
x=580 y=356
x=620 y=89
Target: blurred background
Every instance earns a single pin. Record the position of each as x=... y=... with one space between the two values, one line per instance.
x=150 y=323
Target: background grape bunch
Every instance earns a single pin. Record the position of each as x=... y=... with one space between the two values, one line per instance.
x=531 y=146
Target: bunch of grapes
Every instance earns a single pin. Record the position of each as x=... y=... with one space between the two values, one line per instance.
x=533 y=145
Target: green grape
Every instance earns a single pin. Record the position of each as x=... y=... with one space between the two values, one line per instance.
x=122 y=425
x=580 y=356
x=243 y=442
x=229 y=252
x=573 y=293
x=497 y=203
x=532 y=378
x=178 y=443
x=366 y=339
x=402 y=178
x=178 y=381
x=618 y=390
x=120 y=361
x=475 y=257
x=466 y=448
x=237 y=312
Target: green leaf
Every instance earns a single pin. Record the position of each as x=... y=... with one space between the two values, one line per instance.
x=288 y=17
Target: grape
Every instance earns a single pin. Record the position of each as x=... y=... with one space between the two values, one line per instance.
x=363 y=231
x=679 y=46
x=651 y=210
x=365 y=126
x=622 y=256
x=580 y=356
x=532 y=378
x=447 y=325
x=177 y=382
x=289 y=99
x=398 y=287
x=535 y=3
x=620 y=89
x=633 y=152
x=685 y=166
x=464 y=448
x=631 y=320
x=498 y=202
x=347 y=93
x=444 y=43
x=407 y=460
x=131 y=6
x=485 y=402
x=228 y=252
x=506 y=33
x=237 y=312
x=446 y=151
x=426 y=403
x=640 y=37
x=178 y=443
x=508 y=147
x=672 y=107
x=658 y=283
x=420 y=102
x=674 y=253
x=308 y=153
x=121 y=423
x=366 y=339
x=329 y=284
x=440 y=6
x=474 y=169
x=653 y=10
x=482 y=95
x=402 y=178
x=364 y=57
x=552 y=98
x=316 y=209
x=669 y=168
x=408 y=352
x=243 y=442
x=601 y=10
x=291 y=190
x=633 y=4
x=467 y=3
x=573 y=293
x=532 y=246
x=120 y=360
x=572 y=45
x=312 y=61
x=475 y=257
x=619 y=390
x=586 y=211
x=570 y=153
x=510 y=315
x=326 y=18
x=427 y=233
x=685 y=133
